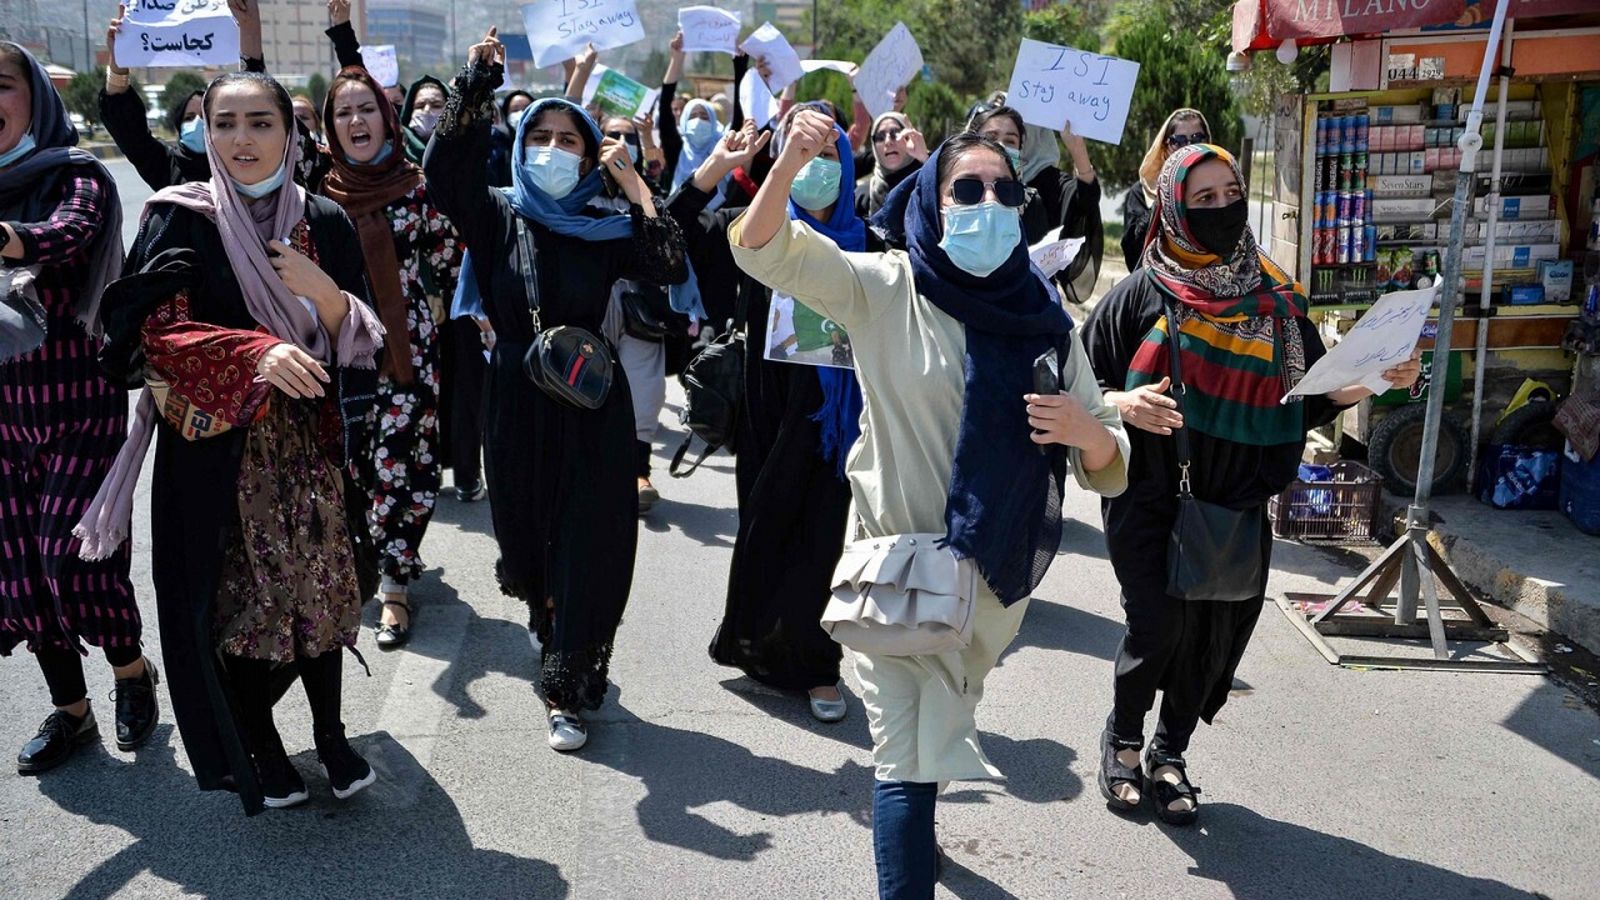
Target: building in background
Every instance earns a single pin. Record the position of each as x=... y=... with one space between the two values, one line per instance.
x=294 y=39
x=418 y=29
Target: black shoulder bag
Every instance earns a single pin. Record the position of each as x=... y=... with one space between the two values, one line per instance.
x=1214 y=553
x=570 y=364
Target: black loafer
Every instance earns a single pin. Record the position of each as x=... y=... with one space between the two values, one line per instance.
x=137 y=710
x=393 y=637
x=59 y=737
x=471 y=493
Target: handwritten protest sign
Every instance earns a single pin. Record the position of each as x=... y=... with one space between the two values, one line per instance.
x=558 y=29
x=757 y=102
x=1054 y=253
x=798 y=334
x=616 y=94
x=178 y=33
x=768 y=49
x=707 y=29
x=382 y=64
x=889 y=67
x=1381 y=340
x=848 y=69
x=1053 y=85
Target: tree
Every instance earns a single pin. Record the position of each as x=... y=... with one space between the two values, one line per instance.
x=317 y=86
x=82 y=93
x=655 y=66
x=935 y=110
x=970 y=44
x=1064 y=24
x=179 y=87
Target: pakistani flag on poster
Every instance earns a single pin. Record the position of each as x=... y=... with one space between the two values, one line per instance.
x=796 y=333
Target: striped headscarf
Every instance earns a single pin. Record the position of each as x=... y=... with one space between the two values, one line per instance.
x=1242 y=348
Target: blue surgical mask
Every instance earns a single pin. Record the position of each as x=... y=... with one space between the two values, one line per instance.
x=23 y=148
x=980 y=237
x=817 y=185
x=1016 y=157
x=193 y=135
x=383 y=154
x=700 y=133
x=261 y=188
x=552 y=170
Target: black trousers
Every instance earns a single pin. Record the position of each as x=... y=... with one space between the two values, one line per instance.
x=464 y=395
x=63 y=670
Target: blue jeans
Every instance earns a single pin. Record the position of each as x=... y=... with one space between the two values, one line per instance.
x=902 y=838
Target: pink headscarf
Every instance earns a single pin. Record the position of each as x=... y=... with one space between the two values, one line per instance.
x=245 y=228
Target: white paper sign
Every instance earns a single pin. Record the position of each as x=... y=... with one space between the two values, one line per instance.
x=178 y=33
x=559 y=29
x=1052 y=85
x=1381 y=339
x=767 y=47
x=707 y=29
x=1054 y=253
x=757 y=102
x=889 y=67
x=837 y=65
x=382 y=64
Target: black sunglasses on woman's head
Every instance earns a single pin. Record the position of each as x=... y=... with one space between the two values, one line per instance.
x=1183 y=140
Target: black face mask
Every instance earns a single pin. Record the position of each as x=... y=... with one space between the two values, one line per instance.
x=1218 y=230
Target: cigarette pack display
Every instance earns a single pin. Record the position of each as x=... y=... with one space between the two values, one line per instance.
x=1517 y=208
x=1402 y=209
x=1397 y=115
x=1521 y=256
x=1538 y=231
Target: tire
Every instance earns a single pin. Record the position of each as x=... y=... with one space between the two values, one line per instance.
x=1395 y=447
x=1530 y=425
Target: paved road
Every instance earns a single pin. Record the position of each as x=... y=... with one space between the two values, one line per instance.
x=1319 y=782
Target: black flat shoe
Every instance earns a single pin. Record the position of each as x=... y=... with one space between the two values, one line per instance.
x=61 y=734
x=1114 y=774
x=393 y=637
x=1166 y=793
x=137 y=710
x=471 y=493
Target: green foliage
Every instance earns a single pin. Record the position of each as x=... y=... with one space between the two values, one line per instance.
x=1175 y=71
x=1065 y=24
x=317 y=86
x=655 y=66
x=970 y=44
x=82 y=93
x=829 y=85
x=181 y=85
x=935 y=109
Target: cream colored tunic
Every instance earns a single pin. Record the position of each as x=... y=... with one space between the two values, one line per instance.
x=909 y=360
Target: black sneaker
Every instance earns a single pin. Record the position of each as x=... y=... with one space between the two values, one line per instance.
x=61 y=734
x=281 y=784
x=137 y=711
x=472 y=493
x=347 y=772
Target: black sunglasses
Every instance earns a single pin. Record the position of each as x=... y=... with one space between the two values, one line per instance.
x=885 y=136
x=625 y=136
x=969 y=191
x=1183 y=140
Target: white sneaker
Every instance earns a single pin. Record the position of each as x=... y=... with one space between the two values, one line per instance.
x=567 y=731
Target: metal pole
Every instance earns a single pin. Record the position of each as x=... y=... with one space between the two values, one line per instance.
x=1485 y=299
x=88 y=53
x=1471 y=142
x=814 y=14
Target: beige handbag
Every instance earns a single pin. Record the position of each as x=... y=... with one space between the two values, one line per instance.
x=902 y=595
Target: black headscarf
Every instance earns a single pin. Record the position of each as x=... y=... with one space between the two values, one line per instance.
x=1004 y=508
x=415 y=145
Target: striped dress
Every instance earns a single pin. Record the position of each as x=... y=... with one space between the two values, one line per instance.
x=61 y=424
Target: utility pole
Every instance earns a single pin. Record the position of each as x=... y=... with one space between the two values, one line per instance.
x=88 y=53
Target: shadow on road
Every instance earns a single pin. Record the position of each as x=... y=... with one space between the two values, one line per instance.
x=402 y=837
x=686 y=770
x=1037 y=770
x=1309 y=865
x=711 y=526
x=1057 y=626
x=790 y=708
x=1560 y=731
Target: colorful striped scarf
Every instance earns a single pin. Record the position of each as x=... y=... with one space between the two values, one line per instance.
x=1242 y=348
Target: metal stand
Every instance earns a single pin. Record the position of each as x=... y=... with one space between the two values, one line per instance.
x=1411 y=561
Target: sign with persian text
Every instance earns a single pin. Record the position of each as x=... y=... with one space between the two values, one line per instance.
x=165 y=34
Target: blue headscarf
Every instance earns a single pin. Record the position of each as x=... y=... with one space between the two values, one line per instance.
x=1004 y=508
x=563 y=216
x=840 y=415
x=685 y=298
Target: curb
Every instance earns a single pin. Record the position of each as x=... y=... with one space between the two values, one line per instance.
x=104 y=151
x=1556 y=607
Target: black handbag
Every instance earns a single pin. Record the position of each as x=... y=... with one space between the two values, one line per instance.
x=713 y=385
x=647 y=315
x=570 y=364
x=1213 y=553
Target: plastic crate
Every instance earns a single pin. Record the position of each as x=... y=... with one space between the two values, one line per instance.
x=1341 y=511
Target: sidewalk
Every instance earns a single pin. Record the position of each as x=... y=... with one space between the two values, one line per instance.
x=1497 y=552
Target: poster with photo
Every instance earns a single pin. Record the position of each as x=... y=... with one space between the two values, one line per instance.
x=798 y=334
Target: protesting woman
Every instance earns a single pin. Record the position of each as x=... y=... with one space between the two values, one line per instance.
x=1182 y=128
x=898 y=151
x=420 y=113
x=1243 y=342
x=245 y=312
x=561 y=477
x=953 y=442
x=61 y=422
x=411 y=251
x=796 y=426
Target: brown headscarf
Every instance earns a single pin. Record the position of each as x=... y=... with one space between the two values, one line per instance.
x=365 y=190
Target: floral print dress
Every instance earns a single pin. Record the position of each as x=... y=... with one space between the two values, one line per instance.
x=403 y=470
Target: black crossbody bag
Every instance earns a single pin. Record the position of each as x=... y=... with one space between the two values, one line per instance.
x=1213 y=553
x=570 y=364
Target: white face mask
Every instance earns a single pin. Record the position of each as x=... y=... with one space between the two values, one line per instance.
x=552 y=170
x=264 y=187
x=423 y=123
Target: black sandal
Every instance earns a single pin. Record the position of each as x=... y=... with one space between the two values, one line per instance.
x=1114 y=774
x=1166 y=793
x=393 y=637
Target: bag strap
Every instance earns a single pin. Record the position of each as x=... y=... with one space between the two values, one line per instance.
x=1180 y=435
x=683 y=451
x=530 y=271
